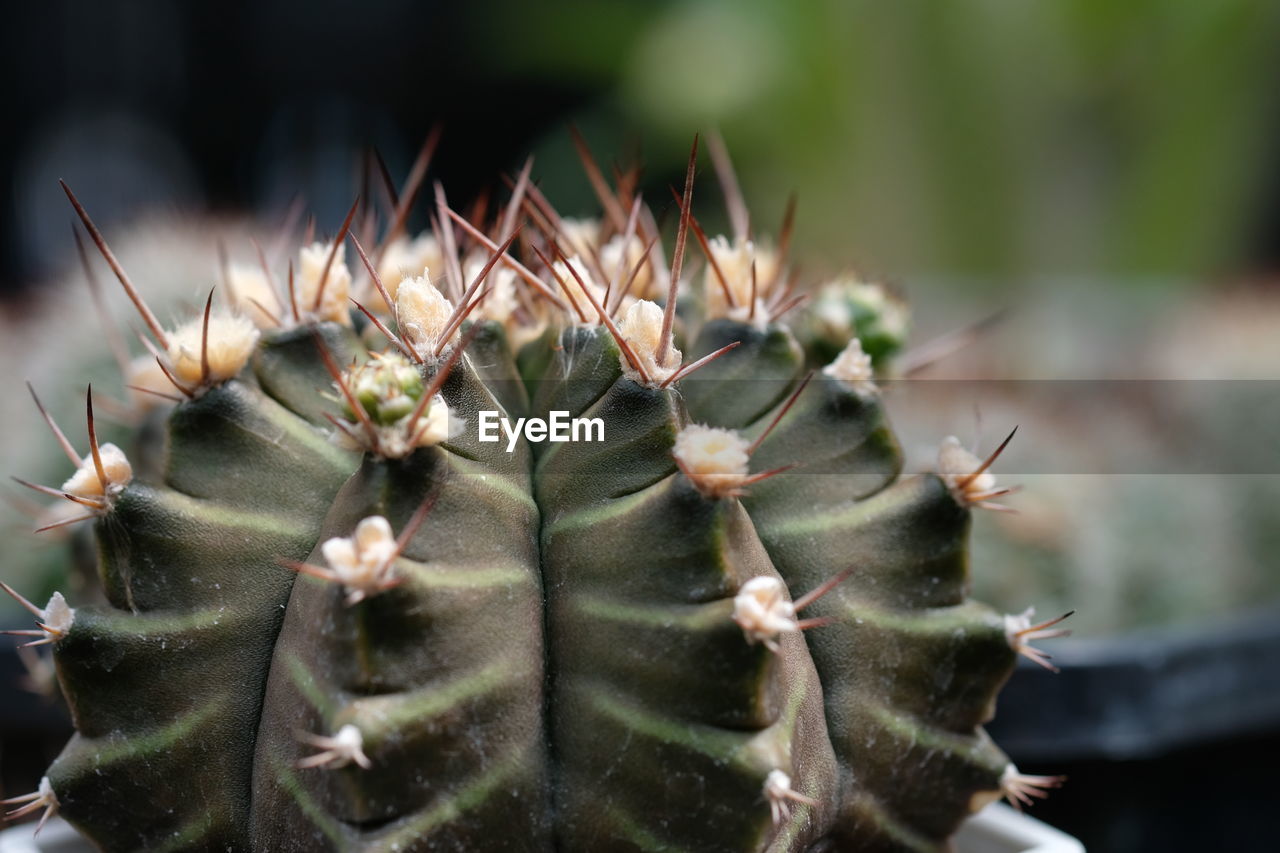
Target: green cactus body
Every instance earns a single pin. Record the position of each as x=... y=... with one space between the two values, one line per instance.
x=552 y=652
x=909 y=668
x=166 y=685
x=442 y=675
x=665 y=722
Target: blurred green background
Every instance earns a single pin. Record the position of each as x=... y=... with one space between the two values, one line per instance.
x=991 y=139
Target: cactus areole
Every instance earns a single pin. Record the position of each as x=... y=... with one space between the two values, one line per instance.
x=355 y=614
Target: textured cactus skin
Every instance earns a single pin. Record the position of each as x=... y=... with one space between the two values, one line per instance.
x=907 y=657
x=442 y=674
x=654 y=688
x=165 y=688
x=559 y=669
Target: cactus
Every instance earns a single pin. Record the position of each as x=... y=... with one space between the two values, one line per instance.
x=340 y=616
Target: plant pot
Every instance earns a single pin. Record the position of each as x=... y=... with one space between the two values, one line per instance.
x=58 y=836
x=1144 y=694
x=1000 y=829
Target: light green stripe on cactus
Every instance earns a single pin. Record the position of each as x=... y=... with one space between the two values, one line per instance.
x=627 y=829
x=716 y=743
x=868 y=824
x=304 y=680
x=382 y=717
x=429 y=577
x=496 y=783
x=191 y=836
x=112 y=749
x=685 y=616
x=311 y=807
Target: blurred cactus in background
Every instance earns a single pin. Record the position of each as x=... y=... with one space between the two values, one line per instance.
x=985 y=140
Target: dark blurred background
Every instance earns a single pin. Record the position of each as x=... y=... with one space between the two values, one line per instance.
x=992 y=139
x=1113 y=163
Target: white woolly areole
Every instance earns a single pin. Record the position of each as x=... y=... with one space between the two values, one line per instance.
x=363 y=562
x=852 y=367
x=349 y=742
x=955 y=463
x=1016 y=624
x=617 y=260
x=144 y=372
x=346 y=746
x=85 y=483
x=580 y=236
x=834 y=313
x=437 y=424
x=424 y=313
x=231 y=342
x=777 y=784
x=58 y=615
x=762 y=610
x=641 y=328
x=434 y=426
x=714 y=459
x=500 y=302
x=250 y=293
x=43 y=798
x=337 y=285
x=405 y=258
x=1023 y=789
x=780 y=794
x=734 y=262
x=575 y=290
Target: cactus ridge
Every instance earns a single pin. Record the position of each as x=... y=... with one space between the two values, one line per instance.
x=340 y=620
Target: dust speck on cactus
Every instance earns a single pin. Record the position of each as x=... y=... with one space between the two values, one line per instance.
x=334 y=620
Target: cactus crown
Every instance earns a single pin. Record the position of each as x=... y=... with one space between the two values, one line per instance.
x=340 y=617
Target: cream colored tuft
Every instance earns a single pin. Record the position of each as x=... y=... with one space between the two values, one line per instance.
x=575 y=290
x=85 y=483
x=144 y=372
x=780 y=794
x=249 y=292
x=734 y=261
x=852 y=367
x=335 y=303
x=763 y=611
x=641 y=328
x=579 y=236
x=714 y=459
x=438 y=424
x=231 y=342
x=833 y=308
x=617 y=261
x=58 y=615
x=405 y=259
x=424 y=313
x=364 y=561
x=955 y=463
x=343 y=748
x=500 y=303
